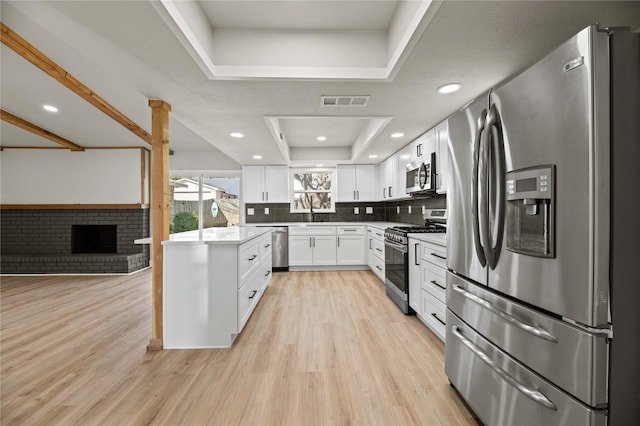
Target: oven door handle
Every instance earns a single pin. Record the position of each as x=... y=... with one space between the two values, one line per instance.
x=396 y=246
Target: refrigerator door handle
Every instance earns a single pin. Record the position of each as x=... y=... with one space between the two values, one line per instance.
x=533 y=394
x=475 y=208
x=497 y=198
x=531 y=329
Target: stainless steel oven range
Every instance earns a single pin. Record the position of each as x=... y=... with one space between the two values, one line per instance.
x=396 y=256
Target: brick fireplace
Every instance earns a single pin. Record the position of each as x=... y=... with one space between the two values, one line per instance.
x=73 y=240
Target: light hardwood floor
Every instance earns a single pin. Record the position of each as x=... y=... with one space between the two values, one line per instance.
x=321 y=348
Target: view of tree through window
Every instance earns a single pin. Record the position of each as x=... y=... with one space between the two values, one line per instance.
x=219 y=208
x=312 y=191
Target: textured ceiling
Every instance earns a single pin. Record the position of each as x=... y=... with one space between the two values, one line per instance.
x=126 y=53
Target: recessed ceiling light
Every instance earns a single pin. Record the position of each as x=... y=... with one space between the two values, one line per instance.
x=449 y=88
x=257 y=157
x=319 y=165
x=397 y=135
x=50 y=108
x=236 y=135
x=321 y=138
x=373 y=156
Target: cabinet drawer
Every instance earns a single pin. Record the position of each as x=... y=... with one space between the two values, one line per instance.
x=248 y=296
x=434 y=253
x=434 y=281
x=378 y=249
x=377 y=266
x=266 y=273
x=350 y=230
x=312 y=230
x=434 y=314
x=265 y=247
x=248 y=259
x=376 y=233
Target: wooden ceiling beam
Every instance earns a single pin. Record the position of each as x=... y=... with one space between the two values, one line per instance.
x=39 y=59
x=24 y=124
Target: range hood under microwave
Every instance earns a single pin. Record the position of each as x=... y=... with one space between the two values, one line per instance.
x=421 y=176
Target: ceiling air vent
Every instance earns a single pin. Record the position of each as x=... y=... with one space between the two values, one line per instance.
x=344 y=101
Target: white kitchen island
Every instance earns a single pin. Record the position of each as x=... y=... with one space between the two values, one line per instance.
x=212 y=282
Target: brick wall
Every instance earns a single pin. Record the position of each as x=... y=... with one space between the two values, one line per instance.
x=39 y=234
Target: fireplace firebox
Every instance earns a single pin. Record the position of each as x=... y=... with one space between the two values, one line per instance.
x=88 y=239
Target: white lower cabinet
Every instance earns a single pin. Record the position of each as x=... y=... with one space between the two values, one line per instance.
x=211 y=289
x=324 y=250
x=248 y=296
x=434 y=314
x=312 y=250
x=427 y=283
x=375 y=244
x=351 y=245
x=415 y=277
x=312 y=245
x=341 y=246
x=300 y=250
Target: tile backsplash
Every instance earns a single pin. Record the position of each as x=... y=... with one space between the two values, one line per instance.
x=381 y=211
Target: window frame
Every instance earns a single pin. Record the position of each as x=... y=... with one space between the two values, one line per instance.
x=333 y=192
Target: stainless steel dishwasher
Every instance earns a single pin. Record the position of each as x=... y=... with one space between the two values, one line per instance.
x=280 y=248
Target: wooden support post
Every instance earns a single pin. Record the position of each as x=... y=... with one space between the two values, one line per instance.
x=42 y=61
x=160 y=209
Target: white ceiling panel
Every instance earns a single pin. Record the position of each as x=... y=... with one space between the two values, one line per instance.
x=300 y=15
x=301 y=132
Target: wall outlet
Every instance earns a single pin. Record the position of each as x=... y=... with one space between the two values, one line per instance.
x=398 y=210
x=424 y=209
x=369 y=210
x=409 y=209
x=250 y=211
x=356 y=210
x=266 y=210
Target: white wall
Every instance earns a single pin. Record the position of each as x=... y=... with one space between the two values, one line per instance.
x=57 y=176
x=202 y=160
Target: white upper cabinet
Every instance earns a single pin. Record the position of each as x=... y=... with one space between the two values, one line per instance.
x=265 y=184
x=388 y=179
x=428 y=143
x=356 y=183
x=422 y=146
x=442 y=156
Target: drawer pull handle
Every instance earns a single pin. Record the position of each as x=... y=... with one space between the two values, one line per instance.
x=253 y=294
x=267 y=274
x=534 y=394
x=433 y=314
x=378 y=234
x=378 y=268
x=379 y=249
x=252 y=257
x=349 y=230
x=531 y=329
x=438 y=256
x=434 y=282
x=267 y=245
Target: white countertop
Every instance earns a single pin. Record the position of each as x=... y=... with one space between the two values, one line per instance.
x=380 y=225
x=230 y=235
x=435 y=238
x=240 y=234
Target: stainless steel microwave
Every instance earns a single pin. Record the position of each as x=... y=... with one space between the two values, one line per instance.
x=421 y=176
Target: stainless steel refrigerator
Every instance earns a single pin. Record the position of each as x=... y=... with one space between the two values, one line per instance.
x=543 y=287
